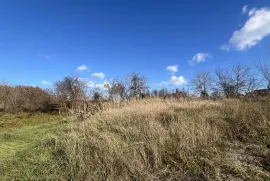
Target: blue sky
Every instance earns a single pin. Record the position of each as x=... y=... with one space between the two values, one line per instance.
x=44 y=41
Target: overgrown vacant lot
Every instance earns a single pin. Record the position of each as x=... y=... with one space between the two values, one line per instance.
x=147 y=140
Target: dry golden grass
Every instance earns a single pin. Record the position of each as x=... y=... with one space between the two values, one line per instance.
x=159 y=139
x=150 y=139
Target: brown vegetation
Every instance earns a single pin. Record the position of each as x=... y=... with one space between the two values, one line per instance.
x=158 y=139
x=25 y=99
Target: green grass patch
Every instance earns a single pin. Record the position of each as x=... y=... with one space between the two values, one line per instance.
x=8 y=121
x=14 y=140
x=27 y=153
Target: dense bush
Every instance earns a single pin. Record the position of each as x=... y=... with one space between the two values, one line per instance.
x=25 y=98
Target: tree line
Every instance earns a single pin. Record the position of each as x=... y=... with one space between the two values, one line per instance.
x=236 y=81
x=72 y=92
x=25 y=99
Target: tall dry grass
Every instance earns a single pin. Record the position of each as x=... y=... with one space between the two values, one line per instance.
x=158 y=139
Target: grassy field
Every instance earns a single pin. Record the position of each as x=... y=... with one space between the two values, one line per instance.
x=150 y=139
x=26 y=145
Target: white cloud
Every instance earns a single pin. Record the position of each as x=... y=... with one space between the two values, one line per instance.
x=173 y=69
x=252 y=11
x=174 y=80
x=103 y=85
x=177 y=80
x=82 y=68
x=225 y=48
x=45 y=82
x=254 y=30
x=99 y=75
x=200 y=57
x=163 y=83
x=89 y=83
x=245 y=9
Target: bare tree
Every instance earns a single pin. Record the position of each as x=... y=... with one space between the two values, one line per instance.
x=136 y=85
x=236 y=81
x=264 y=69
x=202 y=83
x=224 y=82
x=70 y=91
x=116 y=87
x=5 y=97
x=241 y=78
x=97 y=95
x=25 y=98
x=253 y=83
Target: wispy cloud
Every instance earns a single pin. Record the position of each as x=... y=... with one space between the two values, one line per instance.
x=49 y=57
x=225 y=48
x=200 y=57
x=245 y=9
x=256 y=28
x=99 y=75
x=82 y=68
x=172 y=68
x=46 y=56
x=46 y=82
